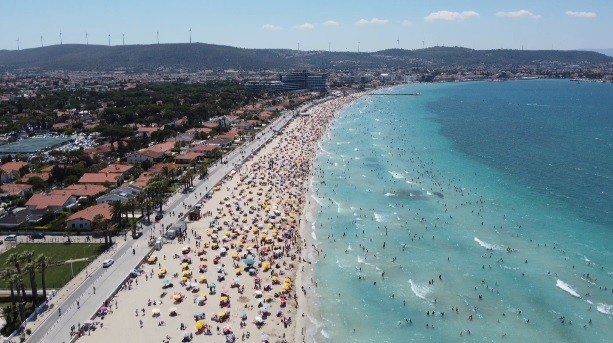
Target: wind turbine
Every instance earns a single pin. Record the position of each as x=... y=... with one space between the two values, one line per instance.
x=423 y=44
x=17 y=43
x=158 y=35
x=329 y=44
x=190 y=35
x=86 y=38
x=398 y=41
x=61 y=43
x=358 y=46
x=109 y=39
x=41 y=41
x=123 y=38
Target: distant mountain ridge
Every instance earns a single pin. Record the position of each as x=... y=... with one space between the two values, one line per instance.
x=200 y=56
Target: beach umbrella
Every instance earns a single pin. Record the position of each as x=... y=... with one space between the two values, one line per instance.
x=88 y=322
x=212 y=285
x=264 y=337
x=230 y=338
x=155 y=311
x=200 y=325
x=259 y=320
x=172 y=310
x=249 y=262
x=177 y=297
x=201 y=299
x=185 y=334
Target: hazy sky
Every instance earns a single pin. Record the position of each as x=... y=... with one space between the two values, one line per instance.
x=314 y=24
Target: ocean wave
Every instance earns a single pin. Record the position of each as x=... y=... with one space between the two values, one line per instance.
x=488 y=245
x=420 y=290
x=397 y=175
x=605 y=308
x=567 y=288
x=390 y=194
x=378 y=217
x=316 y=199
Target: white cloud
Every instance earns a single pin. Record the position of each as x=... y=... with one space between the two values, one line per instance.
x=588 y=15
x=331 y=23
x=373 y=21
x=451 y=16
x=271 y=27
x=305 y=26
x=406 y=23
x=518 y=14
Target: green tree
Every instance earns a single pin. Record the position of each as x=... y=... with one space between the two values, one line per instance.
x=42 y=262
x=30 y=268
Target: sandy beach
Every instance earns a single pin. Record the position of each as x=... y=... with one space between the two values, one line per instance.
x=237 y=272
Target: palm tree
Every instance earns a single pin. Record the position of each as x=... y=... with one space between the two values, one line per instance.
x=8 y=275
x=18 y=281
x=30 y=268
x=97 y=226
x=42 y=262
x=14 y=259
x=117 y=210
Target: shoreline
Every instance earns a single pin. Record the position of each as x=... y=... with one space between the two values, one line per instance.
x=309 y=312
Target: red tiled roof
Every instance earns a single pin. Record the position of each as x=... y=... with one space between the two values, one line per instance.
x=188 y=156
x=105 y=210
x=158 y=168
x=15 y=188
x=147 y=129
x=205 y=148
x=117 y=168
x=87 y=190
x=162 y=147
x=12 y=166
x=99 y=177
x=44 y=176
x=42 y=201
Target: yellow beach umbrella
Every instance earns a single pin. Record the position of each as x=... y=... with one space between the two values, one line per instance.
x=265 y=265
x=200 y=324
x=221 y=314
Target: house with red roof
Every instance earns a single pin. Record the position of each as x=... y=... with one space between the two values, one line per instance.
x=207 y=150
x=10 y=170
x=15 y=189
x=84 y=218
x=189 y=157
x=82 y=190
x=144 y=155
x=102 y=178
x=51 y=202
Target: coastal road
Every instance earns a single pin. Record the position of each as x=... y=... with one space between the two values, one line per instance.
x=98 y=285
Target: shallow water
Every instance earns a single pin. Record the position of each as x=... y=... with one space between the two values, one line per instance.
x=513 y=239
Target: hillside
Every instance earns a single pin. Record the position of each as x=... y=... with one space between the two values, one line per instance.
x=200 y=56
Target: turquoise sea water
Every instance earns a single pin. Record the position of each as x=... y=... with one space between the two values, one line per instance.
x=488 y=202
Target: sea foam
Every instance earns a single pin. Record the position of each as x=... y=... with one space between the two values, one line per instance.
x=567 y=288
x=488 y=245
x=605 y=308
x=421 y=291
x=397 y=175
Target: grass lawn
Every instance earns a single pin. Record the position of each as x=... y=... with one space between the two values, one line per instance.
x=56 y=276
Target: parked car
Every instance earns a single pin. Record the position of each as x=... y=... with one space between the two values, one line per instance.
x=158 y=216
x=137 y=234
x=37 y=235
x=11 y=238
x=108 y=263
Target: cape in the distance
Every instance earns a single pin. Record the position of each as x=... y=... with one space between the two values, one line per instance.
x=200 y=56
